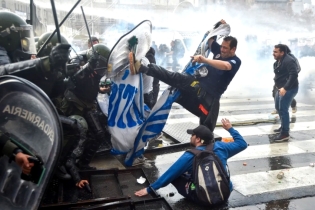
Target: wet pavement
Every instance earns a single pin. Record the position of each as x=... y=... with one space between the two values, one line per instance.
x=254 y=171
x=160 y=160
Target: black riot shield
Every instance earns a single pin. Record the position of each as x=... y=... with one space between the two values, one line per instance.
x=30 y=120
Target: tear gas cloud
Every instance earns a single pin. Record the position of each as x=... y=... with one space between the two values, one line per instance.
x=255 y=77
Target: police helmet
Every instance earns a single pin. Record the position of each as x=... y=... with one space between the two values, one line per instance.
x=16 y=34
x=80 y=120
x=52 y=42
x=103 y=51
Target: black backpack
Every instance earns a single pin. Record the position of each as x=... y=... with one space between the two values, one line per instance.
x=211 y=180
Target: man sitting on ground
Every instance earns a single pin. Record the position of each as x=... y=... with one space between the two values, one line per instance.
x=179 y=174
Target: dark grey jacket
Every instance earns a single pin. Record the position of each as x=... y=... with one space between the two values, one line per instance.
x=286 y=72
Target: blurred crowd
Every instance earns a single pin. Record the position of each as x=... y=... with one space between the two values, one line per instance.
x=168 y=56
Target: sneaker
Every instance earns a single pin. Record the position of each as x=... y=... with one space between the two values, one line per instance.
x=278 y=130
x=134 y=65
x=282 y=137
x=138 y=161
x=274 y=112
x=294 y=109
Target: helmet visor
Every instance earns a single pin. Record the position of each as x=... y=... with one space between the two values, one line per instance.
x=27 y=39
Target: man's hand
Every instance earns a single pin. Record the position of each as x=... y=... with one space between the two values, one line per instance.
x=282 y=91
x=104 y=89
x=81 y=183
x=223 y=21
x=226 y=124
x=198 y=58
x=142 y=192
x=22 y=161
x=219 y=23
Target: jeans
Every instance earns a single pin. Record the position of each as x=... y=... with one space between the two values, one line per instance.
x=282 y=104
x=275 y=90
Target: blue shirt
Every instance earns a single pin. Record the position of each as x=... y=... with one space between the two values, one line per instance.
x=217 y=81
x=185 y=163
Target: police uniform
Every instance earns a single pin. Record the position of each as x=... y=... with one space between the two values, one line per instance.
x=80 y=99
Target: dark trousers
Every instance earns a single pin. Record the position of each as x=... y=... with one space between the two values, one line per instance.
x=185 y=188
x=191 y=96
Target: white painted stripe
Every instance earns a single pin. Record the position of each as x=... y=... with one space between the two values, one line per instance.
x=237 y=118
x=263 y=182
x=254 y=152
x=248 y=100
x=242 y=108
x=272 y=150
x=223 y=99
x=242 y=100
x=265 y=129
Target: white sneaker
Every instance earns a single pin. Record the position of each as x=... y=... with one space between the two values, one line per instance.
x=274 y=112
x=294 y=109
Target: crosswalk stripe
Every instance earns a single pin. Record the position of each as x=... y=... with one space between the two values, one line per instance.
x=250 y=182
x=272 y=150
x=266 y=129
x=238 y=107
x=233 y=100
x=248 y=99
x=259 y=151
x=236 y=117
x=267 y=181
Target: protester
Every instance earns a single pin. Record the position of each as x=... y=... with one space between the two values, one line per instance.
x=274 y=91
x=94 y=41
x=180 y=173
x=201 y=93
x=286 y=81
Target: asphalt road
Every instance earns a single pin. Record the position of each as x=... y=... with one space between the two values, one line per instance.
x=253 y=171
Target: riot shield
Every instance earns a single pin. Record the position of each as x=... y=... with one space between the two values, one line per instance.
x=126 y=111
x=30 y=120
x=118 y=57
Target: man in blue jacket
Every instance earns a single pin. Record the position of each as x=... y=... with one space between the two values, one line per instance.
x=286 y=71
x=180 y=172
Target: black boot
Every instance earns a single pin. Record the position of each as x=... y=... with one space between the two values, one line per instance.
x=89 y=151
x=62 y=174
x=72 y=169
x=96 y=137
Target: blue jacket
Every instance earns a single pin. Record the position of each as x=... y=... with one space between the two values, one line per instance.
x=185 y=163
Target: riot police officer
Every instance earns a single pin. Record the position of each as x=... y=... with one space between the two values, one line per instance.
x=80 y=96
x=17 y=45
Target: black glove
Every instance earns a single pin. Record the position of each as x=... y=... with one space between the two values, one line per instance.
x=93 y=60
x=59 y=56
